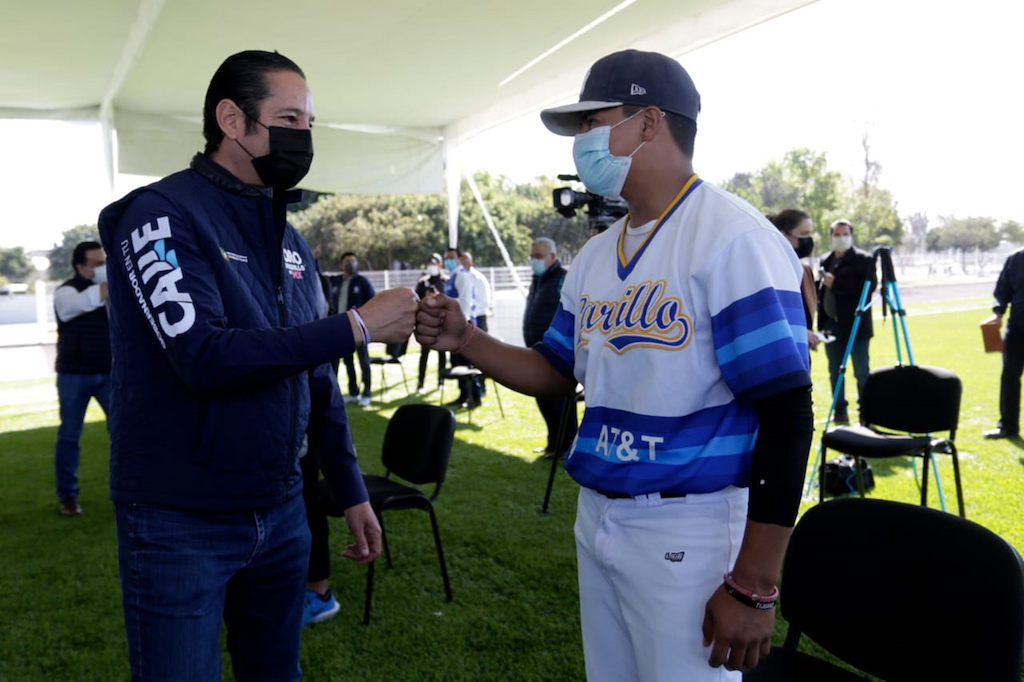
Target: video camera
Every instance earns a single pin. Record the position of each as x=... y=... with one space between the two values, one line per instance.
x=601 y=211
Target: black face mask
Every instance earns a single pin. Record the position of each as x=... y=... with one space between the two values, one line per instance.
x=289 y=158
x=804 y=247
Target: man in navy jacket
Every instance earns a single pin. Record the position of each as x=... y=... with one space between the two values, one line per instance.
x=353 y=290
x=221 y=362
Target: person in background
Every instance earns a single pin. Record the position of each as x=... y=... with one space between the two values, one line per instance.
x=83 y=362
x=798 y=229
x=541 y=305
x=461 y=286
x=844 y=272
x=482 y=302
x=1009 y=292
x=432 y=282
x=320 y=602
x=354 y=292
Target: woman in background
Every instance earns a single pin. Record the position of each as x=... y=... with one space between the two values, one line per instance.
x=798 y=229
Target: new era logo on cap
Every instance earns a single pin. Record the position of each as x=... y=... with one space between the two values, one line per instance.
x=614 y=80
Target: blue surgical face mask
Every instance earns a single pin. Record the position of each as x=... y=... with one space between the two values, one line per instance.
x=538 y=266
x=451 y=264
x=602 y=172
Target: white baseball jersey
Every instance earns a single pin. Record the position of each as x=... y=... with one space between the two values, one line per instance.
x=676 y=343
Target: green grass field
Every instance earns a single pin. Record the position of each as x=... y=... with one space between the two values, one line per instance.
x=515 y=612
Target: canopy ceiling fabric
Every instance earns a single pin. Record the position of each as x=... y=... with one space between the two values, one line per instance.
x=397 y=84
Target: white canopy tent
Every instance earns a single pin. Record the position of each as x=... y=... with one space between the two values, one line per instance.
x=398 y=85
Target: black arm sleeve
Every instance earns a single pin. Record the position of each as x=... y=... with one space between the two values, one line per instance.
x=786 y=424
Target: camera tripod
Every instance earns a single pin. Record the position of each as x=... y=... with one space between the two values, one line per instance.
x=890 y=297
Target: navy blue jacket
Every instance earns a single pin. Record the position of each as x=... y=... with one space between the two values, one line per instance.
x=360 y=290
x=220 y=360
x=542 y=302
x=1009 y=291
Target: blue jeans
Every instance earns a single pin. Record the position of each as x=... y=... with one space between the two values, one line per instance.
x=858 y=356
x=74 y=391
x=184 y=572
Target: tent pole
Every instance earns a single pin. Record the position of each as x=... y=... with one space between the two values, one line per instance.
x=453 y=182
x=497 y=237
x=107 y=131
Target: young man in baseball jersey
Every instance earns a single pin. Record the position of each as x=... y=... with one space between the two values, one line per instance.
x=685 y=324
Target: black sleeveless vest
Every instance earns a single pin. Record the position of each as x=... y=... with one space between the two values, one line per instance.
x=83 y=344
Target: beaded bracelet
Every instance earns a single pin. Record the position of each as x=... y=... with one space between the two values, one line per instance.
x=752 y=599
x=362 y=326
x=465 y=342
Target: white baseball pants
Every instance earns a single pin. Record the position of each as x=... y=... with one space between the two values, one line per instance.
x=647 y=567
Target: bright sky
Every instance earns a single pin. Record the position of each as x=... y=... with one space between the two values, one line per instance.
x=931 y=82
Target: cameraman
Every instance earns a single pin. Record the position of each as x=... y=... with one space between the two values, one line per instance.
x=843 y=273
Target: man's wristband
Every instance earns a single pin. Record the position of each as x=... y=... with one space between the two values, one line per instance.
x=748 y=598
x=362 y=326
x=465 y=341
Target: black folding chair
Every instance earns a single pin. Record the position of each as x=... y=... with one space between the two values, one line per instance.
x=394 y=352
x=417 y=444
x=900 y=592
x=913 y=399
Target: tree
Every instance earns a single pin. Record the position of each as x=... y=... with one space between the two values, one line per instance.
x=383 y=229
x=875 y=217
x=540 y=216
x=1012 y=232
x=918 y=224
x=872 y=210
x=60 y=254
x=963 y=235
x=801 y=180
x=15 y=264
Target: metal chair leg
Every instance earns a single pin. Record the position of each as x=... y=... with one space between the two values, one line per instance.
x=405 y=382
x=924 y=476
x=860 y=476
x=956 y=477
x=498 y=396
x=369 y=593
x=384 y=540
x=821 y=476
x=440 y=554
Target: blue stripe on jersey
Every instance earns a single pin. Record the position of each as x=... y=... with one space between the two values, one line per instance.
x=761 y=344
x=750 y=342
x=756 y=311
x=557 y=346
x=629 y=453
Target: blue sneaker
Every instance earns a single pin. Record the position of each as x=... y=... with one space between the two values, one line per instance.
x=318 y=609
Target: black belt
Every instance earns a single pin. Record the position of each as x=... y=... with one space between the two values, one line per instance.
x=622 y=496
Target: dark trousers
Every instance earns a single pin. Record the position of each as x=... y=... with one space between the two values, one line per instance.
x=350 y=369
x=1009 y=381
x=319 y=548
x=551 y=409
x=424 y=356
x=469 y=389
x=858 y=356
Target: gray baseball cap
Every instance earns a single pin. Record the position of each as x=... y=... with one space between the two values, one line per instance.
x=629 y=77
